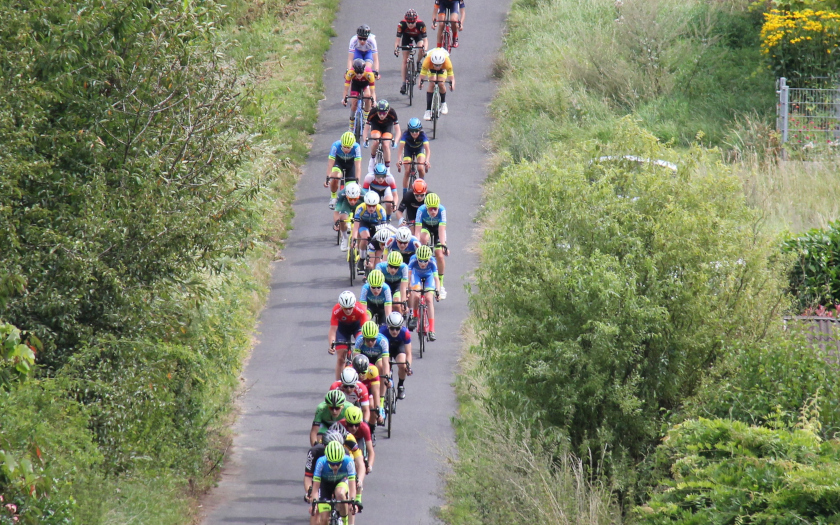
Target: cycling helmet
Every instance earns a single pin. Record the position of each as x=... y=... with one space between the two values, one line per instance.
x=363 y=31
x=411 y=15
x=380 y=170
x=339 y=429
x=333 y=435
x=358 y=68
x=353 y=415
x=335 y=398
x=438 y=56
x=334 y=452
x=348 y=139
x=419 y=186
x=395 y=259
x=349 y=377
x=413 y=125
x=361 y=363
x=424 y=253
x=383 y=233
x=369 y=331
x=376 y=278
x=347 y=299
x=352 y=191
x=382 y=106
x=394 y=320
x=432 y=200
x=403 y=234
x=371 y=198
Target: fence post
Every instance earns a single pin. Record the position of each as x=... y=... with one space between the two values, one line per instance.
x=782 y=125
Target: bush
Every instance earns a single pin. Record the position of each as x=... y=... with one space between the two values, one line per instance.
x=815 y=275
x=800 y=45
x=607 y=289
x=721 y=472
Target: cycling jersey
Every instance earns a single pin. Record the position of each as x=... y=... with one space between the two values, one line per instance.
x=370 y=299
x=389 y=120
x=359 y=395
x=366 y=219
x=362 y=432
x=354 y=154
x=351 y=446
x=409 y=206
x=343 y=205
x=417 y=33
x=324 y=418
x=396 y=345
x=357 y=316
x=360 y=82
x=381 y=185
x=427 y=220
x=410 y=248
x=414 y=143
x=428 y=271
x=428 y=68
x=370 y=378
x=347 y=470
x=369 y=45
x=375 y=352
x=394 y=281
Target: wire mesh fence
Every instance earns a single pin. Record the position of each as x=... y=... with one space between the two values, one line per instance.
x=808 y=117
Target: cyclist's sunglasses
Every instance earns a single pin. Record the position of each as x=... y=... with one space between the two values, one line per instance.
x=348 y=388
x=334 y=465
x=353 y=424
x=432 y=208
x=423 y=261
x=403 y=242
x=362 y=39
x=370 y=340
x=419 y=196
x=335 y=408
x=375 y=287
x=394 y=328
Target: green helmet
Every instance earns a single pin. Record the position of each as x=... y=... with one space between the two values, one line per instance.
x=376 y=279
x=353 y=415
x=348 y=139
x=432 y=200
x=335 y=398
x=424 y=253
x=369 y=331
x=334 y=452
x=395 y=259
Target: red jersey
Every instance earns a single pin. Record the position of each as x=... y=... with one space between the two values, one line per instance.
x=363 y=432
x=361 y=394
x=358 y=315
x=418 y=32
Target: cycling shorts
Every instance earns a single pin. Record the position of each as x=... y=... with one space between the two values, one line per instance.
x=377 y=312
x=424 y=283
x=409 y=152
x=358 y=86
x=407 y=40
x=406 y=257
x=327 y=490
x=348 y=166
x=370 y=229
x=387 y=130
x=347 y=332
x=396 y=349
x=395 y=290
x=454 y=6
x=434 y=235
x=367 y=56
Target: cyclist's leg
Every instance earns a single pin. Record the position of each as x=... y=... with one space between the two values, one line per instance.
x=425 y=237
x=400 y=358
x=439 y=258
x=456 y=18
x=406 y=168
x=429 y=292
x=364 y=235
x=375 y=145
x=386 y=145
x=421 y=165
x=342 y=343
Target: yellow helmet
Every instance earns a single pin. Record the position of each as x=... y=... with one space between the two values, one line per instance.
x=432 y=200
x=376 y=279
x=348 y=139
x=370 y=330
x=424 y=253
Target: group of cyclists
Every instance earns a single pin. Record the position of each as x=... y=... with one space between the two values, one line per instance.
x=403 y=265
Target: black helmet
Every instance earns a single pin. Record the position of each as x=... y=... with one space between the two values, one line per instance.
x=411 y=15
x=361 y=363
x=363 y=31
x=359 y=66
x=383 y=106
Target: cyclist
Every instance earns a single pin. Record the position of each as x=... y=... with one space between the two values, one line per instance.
x=376 y=296
x=365 y=221
x=357 y=81
x=369 y=376
x=363 y=47
x=411 y=202
x=395 y=272
x=458 y=12
x=345 y=324
x=404 y=243
x=317 y=451
x=346 y=158
x=347 y=201
x=354 y=390
x=328 y=412
x=423 y=278
x=411 y=31
x=335 y=478
x=360 y=430
x=381 y=125
x=414 y=143
x=430 y=227
x=385 y=185
x=437 y=66
x=375 y=347
x=399 y=346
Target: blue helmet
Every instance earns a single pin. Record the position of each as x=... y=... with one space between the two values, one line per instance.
x=415 y=124
x=380 y=170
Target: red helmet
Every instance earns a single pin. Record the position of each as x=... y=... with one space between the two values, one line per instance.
x=411 y=15
x=419 y=186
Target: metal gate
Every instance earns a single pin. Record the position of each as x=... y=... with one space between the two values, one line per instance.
x=808 y=117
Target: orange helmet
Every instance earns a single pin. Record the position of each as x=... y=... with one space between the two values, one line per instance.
x=419 y=186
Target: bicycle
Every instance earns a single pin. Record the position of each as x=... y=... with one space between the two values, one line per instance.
x=422 y=320
x=342 y=182
x=353 y=258
x=412 y=170
x=435 y=104
x=448 y=38
x=380 y=156
x=359 y=115
x=335 y=517
x=412 y=69
x=348 y=355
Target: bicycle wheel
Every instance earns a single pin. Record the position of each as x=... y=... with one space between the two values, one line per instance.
x=409 y=78
x=447 y=38
x=389 y=405
x=351 y=260
x=435 y=111
x=421 y=328
x=358 y=123
x=338 y=233
x=380 y=157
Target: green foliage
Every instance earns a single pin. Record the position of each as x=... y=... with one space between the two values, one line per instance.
x=721 y=472
x=802 y=45
x=767 y=383
x=17 y=355
x=815 y=276
x=607 y=289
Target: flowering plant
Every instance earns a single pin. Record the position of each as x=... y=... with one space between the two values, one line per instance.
x=802 y=44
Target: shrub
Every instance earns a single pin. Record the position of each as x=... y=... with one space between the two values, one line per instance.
x=802 y=44
x=721 y=472
x=607 y=289
x=815 y=275
x=17 y=355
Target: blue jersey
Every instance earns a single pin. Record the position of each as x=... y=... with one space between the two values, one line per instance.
x=427 y=220
x=337 y=153
x=395 y=343
x=323 y=472
x=430 y=269
x=411 y=247
x=394 y=280
x=368 y=297
x=373 y=353
x=411 y=142
x=370 y=219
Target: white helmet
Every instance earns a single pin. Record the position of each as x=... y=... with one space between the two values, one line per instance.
x=382 y=235
x=371 y=198
x=352 y=191
x=339 y=428
x=438 y=56
x=349 y=377
x=347 y=299
x=403 y=234
x=394 y=320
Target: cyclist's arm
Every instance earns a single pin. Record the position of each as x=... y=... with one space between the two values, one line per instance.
x=330 y=165
x=400 y=149
x=313 y=434
x=437 y=282
x=442 y=233
x=398 y=132
x=463 y=16
x=350 y=56
x=428 y=149
x=375 y=60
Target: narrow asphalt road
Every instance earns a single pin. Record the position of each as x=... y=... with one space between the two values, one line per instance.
x=290 y=370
